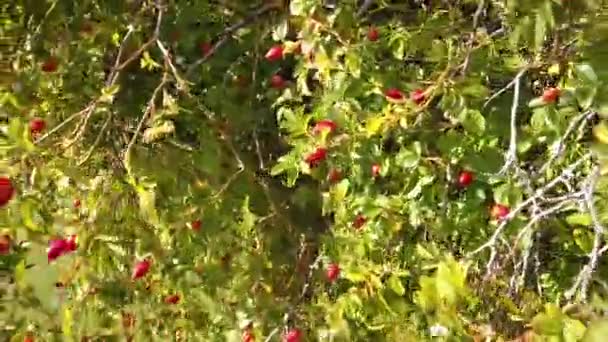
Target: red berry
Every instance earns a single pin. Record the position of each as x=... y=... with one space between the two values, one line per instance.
x=499 y=211
x=28 y=338
x=394 y=94
x=373 y=34
x=37 y=125
x=5 y=244
x=465 y=178
x=172 y=299
x=324 y=125
x=334 y=176
x=277 y=82
x=50 y=65
x=77 y=203
x=205 y=48
x=6 y=190
x=275 y=53
x=293 y=335
x=196 y=225
x=332 y=272
x=71 y=244
x=56 y=249
x=359 y=221
x=248 y=336
x=316 y=157
x=375 y=170
x=140 y=269
x=418 y=96
x=550 y=95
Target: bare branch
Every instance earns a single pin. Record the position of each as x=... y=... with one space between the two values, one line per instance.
x=505 y=88
x=251 y=18
x=582 y=281
x=511 y=157
x=558 y=148
x=491 y=243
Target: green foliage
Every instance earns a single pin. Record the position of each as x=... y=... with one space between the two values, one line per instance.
x=167 y=140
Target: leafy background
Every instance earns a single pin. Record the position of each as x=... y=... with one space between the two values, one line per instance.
x=162 y=113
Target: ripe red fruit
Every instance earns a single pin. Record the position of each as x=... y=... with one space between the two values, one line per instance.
x=37 y=125
x=293 y=335
x=332 y=272
x=5 y=244
x=375 y=170
x=418 y=96
x=277 y=82
x=28 y=338
x=6 y=190
x=56 y=249
x=359 y=221
x=499 y=211
x=275 y=53
x=50 y=65
x=248 y=336
x=324 y=125
x=71 y=244
x=373 y=34
x=334 y=176
x=465 y=178
x=77 y=203
x=140 y=269
x=316 y=157
x=550 y=95
x=394 y=94
x=172 y=299
x=205 y=48
x=196 y=225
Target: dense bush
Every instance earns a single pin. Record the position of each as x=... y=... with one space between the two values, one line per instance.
x=304 y=170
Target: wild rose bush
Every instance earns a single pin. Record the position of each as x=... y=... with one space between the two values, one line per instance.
x=304 y=170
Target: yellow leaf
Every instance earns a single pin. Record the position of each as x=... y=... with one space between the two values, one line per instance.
x=553 y=70
x=600 y=132
x=374 y=125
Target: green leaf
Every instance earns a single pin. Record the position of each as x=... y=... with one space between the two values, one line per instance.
x=583 y=239
x=586 y=74
x=544 y=324
x=596 y=331
x=472 y=121
x=394 y=283
x=579 y=219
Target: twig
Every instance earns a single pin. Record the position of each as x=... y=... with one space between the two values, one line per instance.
x=584 y=277
x=364 y=7
x=476 y=16
x=511 y=157
x=271 y=335
x=228 y=31
x=63 y=123
x=558 y=148
x=149 y=109
x=567 y=173
x=505 y=88
x=97 y=141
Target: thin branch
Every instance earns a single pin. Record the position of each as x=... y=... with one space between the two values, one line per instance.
x=476 y=16
x=251 y=18
x=491 y=243
x=505 y=88
x=97 y=141
x=364 y=7
x=584 y=277
x=149 y=109
x=559 y=147
x=511 y=157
